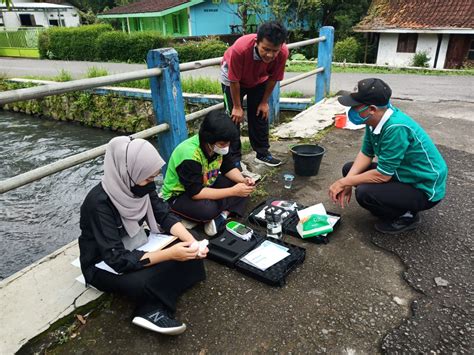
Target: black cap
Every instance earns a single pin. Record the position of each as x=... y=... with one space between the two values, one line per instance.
x=370 y=91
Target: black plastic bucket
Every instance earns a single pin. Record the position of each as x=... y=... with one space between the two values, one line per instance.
x=307 y=158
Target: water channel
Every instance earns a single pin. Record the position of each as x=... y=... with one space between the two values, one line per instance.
x=41 y=217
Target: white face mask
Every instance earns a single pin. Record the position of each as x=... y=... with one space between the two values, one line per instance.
x=221 y=151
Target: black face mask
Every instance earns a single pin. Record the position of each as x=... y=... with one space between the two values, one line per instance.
x=140 y=191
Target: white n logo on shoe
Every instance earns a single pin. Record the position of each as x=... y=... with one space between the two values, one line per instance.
x=156 y=316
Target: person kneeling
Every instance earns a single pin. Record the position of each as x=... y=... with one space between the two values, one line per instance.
x=112 y=221
x=410 y=173
x=202 y=184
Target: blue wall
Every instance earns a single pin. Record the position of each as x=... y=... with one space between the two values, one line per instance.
x=214 y=19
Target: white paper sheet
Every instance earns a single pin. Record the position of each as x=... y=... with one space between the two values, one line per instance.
x=76 y=262
x=266 y=255
x=157 y=242
x=315 y=209
x=102 y=265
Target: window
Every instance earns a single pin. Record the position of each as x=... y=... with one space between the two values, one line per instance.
x=407 y=42
x=470 y=53
x=55 y=22
x=27 y=20
x=176 y=26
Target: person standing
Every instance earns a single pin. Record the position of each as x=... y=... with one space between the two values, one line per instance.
x=252 y=66
x=410 y=173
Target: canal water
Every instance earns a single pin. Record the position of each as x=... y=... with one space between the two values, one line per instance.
x=43 y=216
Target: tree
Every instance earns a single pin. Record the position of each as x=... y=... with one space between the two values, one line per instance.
x=244 y=9
x=7 y=2
x=295 y=11
x=343 y=15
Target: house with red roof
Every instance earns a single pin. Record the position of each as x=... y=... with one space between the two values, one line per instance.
x=443 y=29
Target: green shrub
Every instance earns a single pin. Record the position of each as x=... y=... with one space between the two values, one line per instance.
x=113 y=46
x=71 y=43
x=191 y=51
x=142 y=42
x=124 y=47
x=298 y=56
x=44 y=44
x=348 y=50
x=421 y=59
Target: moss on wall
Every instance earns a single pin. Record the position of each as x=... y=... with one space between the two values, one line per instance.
x=108 y=112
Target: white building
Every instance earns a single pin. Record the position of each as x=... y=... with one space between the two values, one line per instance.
x=444 y=30
x=37 y=14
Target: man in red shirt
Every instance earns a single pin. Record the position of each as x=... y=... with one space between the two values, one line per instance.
x=252 y=66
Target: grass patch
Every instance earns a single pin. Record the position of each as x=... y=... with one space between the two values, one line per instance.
x=200 y=85
x=95 y=72
x=63 y=75
x=306 y=67
x=246 y=147
x=292 y=94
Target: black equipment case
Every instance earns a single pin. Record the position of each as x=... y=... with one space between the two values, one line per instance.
x=228 y=249
x=290 y=222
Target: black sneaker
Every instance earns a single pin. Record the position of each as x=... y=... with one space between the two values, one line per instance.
x=161 y=322
x=398 y=225
x=267 y=160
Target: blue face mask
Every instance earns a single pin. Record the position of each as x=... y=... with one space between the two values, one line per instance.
x=355 y=118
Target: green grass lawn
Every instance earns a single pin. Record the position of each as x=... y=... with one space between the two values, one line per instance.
x=306 y=67
x=195 y=85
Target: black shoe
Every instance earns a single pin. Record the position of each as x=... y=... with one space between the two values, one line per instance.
x=267 y=160
x=398 y=225
x=161 y=322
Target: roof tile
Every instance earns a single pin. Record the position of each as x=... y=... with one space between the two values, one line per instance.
x=145 y=6
x=418 y=14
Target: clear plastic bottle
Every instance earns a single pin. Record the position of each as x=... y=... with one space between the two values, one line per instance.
x=274 y=228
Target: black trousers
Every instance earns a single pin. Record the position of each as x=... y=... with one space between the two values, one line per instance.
x=154 y=286
x=391 y=199
x=206 y=210
x=257 y=126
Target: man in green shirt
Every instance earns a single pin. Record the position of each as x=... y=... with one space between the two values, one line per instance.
x=410 y=173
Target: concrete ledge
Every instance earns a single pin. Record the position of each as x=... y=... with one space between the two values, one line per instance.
x=309 y=122
x=35 y=297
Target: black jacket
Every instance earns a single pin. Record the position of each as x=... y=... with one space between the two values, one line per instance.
x=102 y=232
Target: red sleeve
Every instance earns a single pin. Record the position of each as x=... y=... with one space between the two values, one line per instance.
x=235 y=63
x=279 y=68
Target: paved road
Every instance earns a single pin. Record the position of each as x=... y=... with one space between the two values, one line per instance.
x=342 y=299
x=405 y=86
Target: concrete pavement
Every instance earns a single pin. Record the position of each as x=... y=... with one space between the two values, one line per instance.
x=364 y=292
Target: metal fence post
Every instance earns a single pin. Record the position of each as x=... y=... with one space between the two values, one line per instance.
x=323 y=79
x=274 y=103
x=167 y=98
